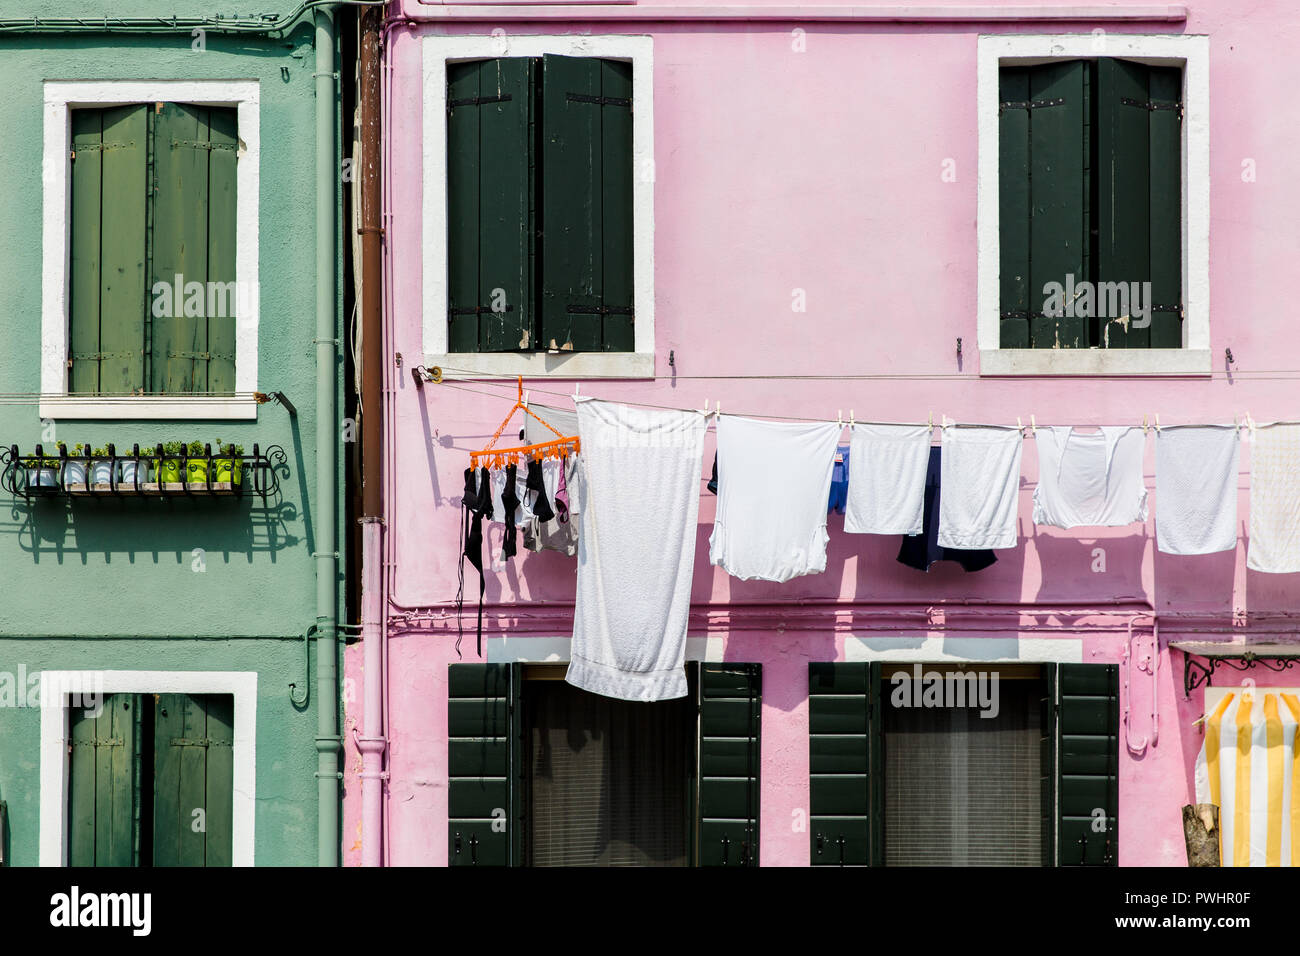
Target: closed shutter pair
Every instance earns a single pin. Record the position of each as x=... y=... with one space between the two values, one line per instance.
x=539 y=201
x=487 y=769
x=153 y=199
x=1078 y=764
x=1090 y=186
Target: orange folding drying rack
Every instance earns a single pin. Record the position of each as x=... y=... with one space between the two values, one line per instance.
x=494 y=458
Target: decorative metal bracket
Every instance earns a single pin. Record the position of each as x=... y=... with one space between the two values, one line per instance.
x=1197 y=674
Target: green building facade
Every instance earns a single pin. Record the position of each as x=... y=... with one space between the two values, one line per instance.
x=171 y=266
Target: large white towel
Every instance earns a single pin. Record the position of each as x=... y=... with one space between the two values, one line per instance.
x=1196 y=489
x=980 y=478
x=1091 y=479
x=1275 y=500
x=887 y=479
x=773 y=482
x=641 y=472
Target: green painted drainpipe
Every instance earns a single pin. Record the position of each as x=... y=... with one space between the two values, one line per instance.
x=328 y=743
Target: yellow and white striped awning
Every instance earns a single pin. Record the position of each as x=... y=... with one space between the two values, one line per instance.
x=1249 y=767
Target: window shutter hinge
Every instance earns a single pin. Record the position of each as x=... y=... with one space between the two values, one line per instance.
x=598 y=100
x=1152 y=106
x=1030 y=104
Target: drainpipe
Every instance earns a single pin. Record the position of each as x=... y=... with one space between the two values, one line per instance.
x=372 y=742
x=326 y=555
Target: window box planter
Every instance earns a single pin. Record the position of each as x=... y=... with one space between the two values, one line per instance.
x=172 y=471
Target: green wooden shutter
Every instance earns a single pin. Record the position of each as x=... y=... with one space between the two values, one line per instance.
x=1043 y=199
x=587 y=259
x=1087 y=740
x=223 y=174
x=1140 y=193
x=193 y=238
x=843 y=764
x=731 y=700
x=1047 y=763
x=490 y=243
x=108 y=300
x=193 y=771
x=102 y=784
x=484 y=765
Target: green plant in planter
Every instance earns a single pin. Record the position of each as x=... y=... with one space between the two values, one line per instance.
x=133 y=467
x=169 y=468
x=196 y=468
x=228 y=466
x=43 y=469
x=101 y=472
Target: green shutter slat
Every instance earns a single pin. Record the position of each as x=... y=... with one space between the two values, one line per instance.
x=1124 y=233
x=222 y=206
x=1165 y=87
x=220 y=780
x=617 y=258
x=84 y=278
x=82 y=731
x=114 y=782
x=572 y=194
x=123 y=297
x=1059 y=222
x=840 y=764
x=731 y=696
x=482 y=740
x=1047 y=763
x=1013 y=209
x=1087 y=741
x=180 y=244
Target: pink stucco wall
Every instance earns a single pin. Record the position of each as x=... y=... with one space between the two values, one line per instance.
x=822 y=170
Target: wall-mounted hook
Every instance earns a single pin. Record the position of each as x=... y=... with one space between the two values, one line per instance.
x=672 y=361
x=959 y=346
x=1227 y=353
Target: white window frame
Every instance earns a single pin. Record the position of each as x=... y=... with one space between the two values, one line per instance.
x=61 y=97
x=437 y=52
x=54 y=745
x=1192 y=54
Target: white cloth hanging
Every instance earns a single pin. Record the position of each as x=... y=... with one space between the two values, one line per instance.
x=1091 y=479
x=566 y=423
x=1275 y=500
x=773 y=482
x=636 y=554
x=1196 y=488
x=887 y=479
x=980 y=481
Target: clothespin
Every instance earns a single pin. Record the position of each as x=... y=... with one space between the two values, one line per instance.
x=705 y=410
x=717 y=412
x=839 y=414
x=932 y=419
x=1145 y=429
x=1020 y=426
x=851 y=420
x=577 y=389
x=1033 y=424
x=525 y=400
x=1157 y=421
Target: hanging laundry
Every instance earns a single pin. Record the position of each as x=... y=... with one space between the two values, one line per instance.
x=888 y=483
x=563 y=485
x=839 y=481
x=1246 y=768
x=922 y=550
x=774 y=480
x=713 y=482
x=1275 y=500
x=1196 y=488
x=475 y=505
x=636 y=555
x=981 y=484
x=1091 y=479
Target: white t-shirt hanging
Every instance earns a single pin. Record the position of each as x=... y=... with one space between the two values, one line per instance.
x=887 y=479
x=1196 y=488
x=773 y=482
x=1090 y=479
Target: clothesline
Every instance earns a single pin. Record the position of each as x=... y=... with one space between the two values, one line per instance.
x=1148 y=423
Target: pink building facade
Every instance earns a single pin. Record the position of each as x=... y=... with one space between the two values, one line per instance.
x=816 y=234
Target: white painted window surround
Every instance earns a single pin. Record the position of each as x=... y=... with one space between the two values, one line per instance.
x=54 y=745
x=437 y=52
x=61 y=96
x=1192 y=54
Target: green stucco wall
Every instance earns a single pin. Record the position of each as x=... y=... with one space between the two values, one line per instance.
x=102 y=584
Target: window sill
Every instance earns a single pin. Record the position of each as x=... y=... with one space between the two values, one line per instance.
x=131 y=408
x=544 y=364
x=1095 y=362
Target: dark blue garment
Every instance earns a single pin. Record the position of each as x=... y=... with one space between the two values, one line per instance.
x=922 y=550
x=840 y=481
